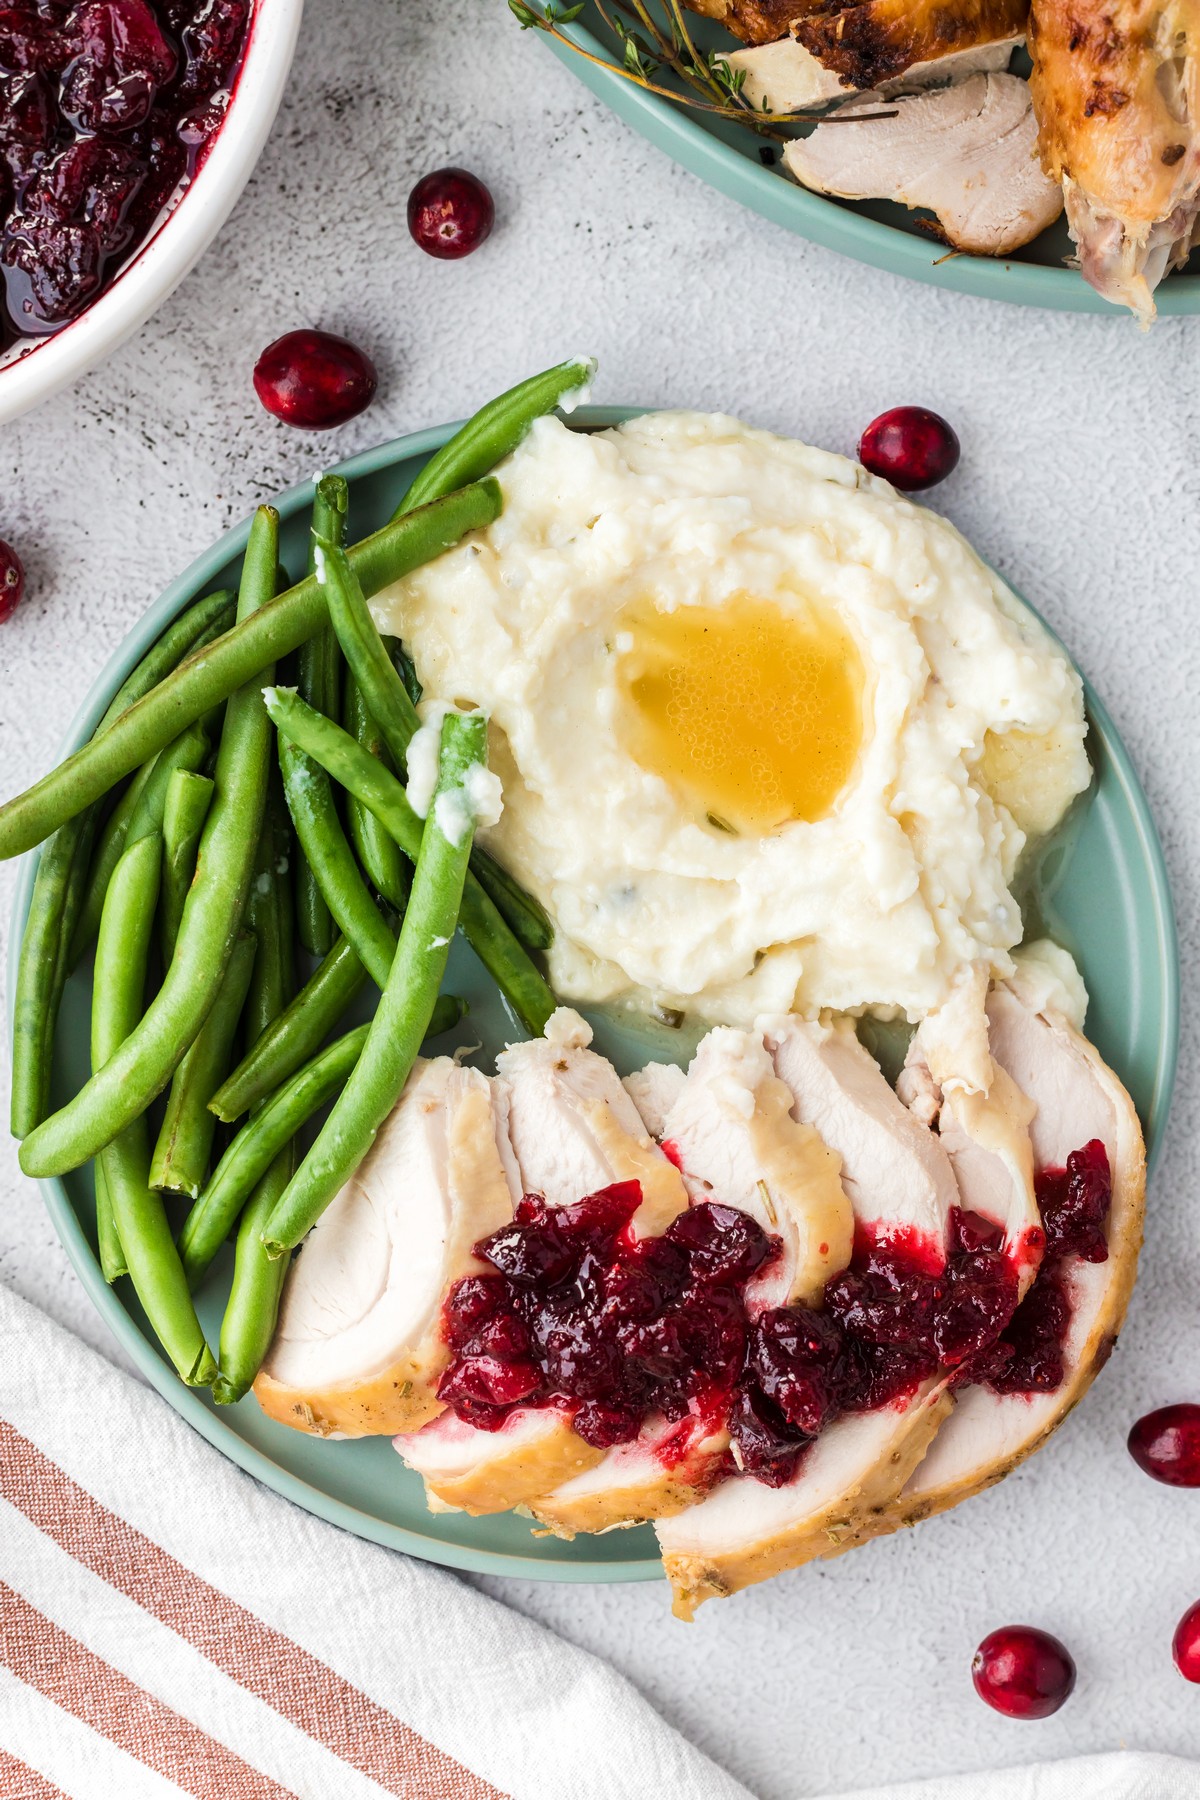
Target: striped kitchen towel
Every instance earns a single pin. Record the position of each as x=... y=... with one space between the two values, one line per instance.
x=169 y=1627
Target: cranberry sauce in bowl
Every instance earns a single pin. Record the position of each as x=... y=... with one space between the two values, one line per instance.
x=577 y=1312
x=106 y=107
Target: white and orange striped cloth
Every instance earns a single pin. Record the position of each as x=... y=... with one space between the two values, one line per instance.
x=168 y=1627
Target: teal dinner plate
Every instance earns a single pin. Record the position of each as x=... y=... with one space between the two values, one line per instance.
x=729 y=156
x=1103 y=891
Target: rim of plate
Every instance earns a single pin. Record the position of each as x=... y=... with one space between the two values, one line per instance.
x=186 y=1401
x=671 y=128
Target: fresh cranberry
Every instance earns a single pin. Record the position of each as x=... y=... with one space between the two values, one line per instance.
x=1074 y=1203
x=910 y=447
x=1023 y=1672
x=723 y=1243
x=450 y=213
x=122 y=60
x=12 y=581
x=1185 y=1646
x=1166 y=1445
x=314 y=380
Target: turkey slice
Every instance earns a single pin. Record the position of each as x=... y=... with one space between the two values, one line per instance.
x=789 y=76
x=1077 y=1098
x=967 y=154
x=473 y=1471
x=569 y=1129
x=732 y=1134
x=358 y=1349
x=667 y=1467
x=745 y=1532
x=896 y=1173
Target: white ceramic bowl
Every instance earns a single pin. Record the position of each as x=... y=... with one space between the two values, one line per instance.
x=37 y=367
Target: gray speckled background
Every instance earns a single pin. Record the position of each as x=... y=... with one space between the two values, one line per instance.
x=1080 y=480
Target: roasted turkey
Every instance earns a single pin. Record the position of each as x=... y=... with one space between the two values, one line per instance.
x=1116 y=89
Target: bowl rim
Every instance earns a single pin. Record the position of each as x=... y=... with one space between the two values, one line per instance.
x=187 y=1402
x=825 y=221
x=183 y=233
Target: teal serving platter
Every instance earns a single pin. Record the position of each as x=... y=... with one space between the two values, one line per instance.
x=1102 y=890
x=729 y=156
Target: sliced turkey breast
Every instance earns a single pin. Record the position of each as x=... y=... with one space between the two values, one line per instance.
x=745 y=1532
x=896 y=1173
x=654 y=1091
x=573 y=1129
x=667 y=1467
x=358 y=1349
x=819 y=64
x=1077 y=1099
x=468 y=1470
x=732 y=1133
x=570 y=1129
x=1116 y=89
x=986 y=1137
x=966 y=153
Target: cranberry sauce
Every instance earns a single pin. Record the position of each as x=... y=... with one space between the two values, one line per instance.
x=105 y=107
x=1074 y=1203
x=583 y=1312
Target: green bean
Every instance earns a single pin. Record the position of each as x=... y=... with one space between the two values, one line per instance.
x=188 y=799
x=295 y=1035
x=253 y=1305
x=257 y=1145
x=495 y=429
x=118 y=991
x=269 y=914
x=105 y=857
x=124 y=1087
x=388 y=703
x=405 y=1009
x=58 y=887
x=207 y=678
x=376 y=851
x=318 y=680
x=108 y=1243
x=180 y=1161
x=483 y=926
x=189 y=751
x=329 y=856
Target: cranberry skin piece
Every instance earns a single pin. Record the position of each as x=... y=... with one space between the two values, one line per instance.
x=468 y=1304
x=314 y=380
x=723 y=1243
x=12 y=581
x=910 y=447
x=1022 y=1672
x=1185 y=1645
x=1166 y=1445
x=450 y=213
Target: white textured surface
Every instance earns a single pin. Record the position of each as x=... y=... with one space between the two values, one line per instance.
x=1079 y=480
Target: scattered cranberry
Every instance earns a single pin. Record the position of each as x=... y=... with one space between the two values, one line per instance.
x=1185 y=1646
x=450 y=213
x=314 y=380
x=12 y=581
x=1023 y=1673
x=1166 y=1445
x=910 y=447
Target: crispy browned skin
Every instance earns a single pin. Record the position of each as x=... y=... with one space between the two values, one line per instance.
x=879 y=39
x=1105 y=115
x=755 y=21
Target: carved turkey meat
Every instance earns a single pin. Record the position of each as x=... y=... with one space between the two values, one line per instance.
x=1116 y=89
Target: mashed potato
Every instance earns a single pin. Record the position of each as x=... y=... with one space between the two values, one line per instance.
x=770 y=735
